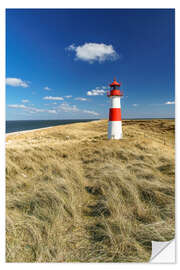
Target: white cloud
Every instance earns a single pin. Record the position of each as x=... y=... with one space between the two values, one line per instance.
x=96 y=92
x=47 y=88
x=91 y=52
x=51 y=111
x=90 y=112
x=53 y=98
x=170 y=102
x=36 y=110
x=81 y=98
x=50 y=104
x=25 y=100
x=71 y=47
x=30 y=109
x=135 y=105
x=64 y=107
x=67 y=107
x=16 y=82
x=17 y=106
x=68 y=96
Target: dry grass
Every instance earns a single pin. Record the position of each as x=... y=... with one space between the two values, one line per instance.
x=88 y=199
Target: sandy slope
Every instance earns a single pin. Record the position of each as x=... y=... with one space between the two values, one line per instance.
x=73 y=195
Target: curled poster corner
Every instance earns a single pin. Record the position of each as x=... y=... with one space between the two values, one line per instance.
x=163 y=252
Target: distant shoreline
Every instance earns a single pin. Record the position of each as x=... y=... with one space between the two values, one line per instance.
x=90 y=119
x=28 y=130
x=16 y=126
x=35 y=129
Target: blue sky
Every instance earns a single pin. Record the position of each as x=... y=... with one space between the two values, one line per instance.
x=59 y=62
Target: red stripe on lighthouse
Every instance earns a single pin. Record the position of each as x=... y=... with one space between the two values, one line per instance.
x=115 y=114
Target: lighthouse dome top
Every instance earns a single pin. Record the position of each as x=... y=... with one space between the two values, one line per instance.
x=115 y=83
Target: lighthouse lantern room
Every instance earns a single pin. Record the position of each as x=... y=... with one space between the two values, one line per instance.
x=115 y=122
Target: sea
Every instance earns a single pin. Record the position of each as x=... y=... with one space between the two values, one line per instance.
x=22 y=125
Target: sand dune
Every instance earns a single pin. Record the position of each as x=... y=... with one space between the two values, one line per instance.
x=74 y=196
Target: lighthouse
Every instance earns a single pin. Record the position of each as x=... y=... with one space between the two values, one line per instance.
x=115 y=123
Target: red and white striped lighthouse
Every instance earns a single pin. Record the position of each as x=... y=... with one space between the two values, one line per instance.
x=115 y=123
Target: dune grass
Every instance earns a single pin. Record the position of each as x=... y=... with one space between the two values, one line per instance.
x=74 y=196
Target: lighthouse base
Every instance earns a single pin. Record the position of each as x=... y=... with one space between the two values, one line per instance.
x=115 y=130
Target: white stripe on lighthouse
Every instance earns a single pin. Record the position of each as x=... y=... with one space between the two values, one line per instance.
x=115 y=130
x=115 y=102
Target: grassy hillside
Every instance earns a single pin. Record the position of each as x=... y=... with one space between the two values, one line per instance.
x=74 y=196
